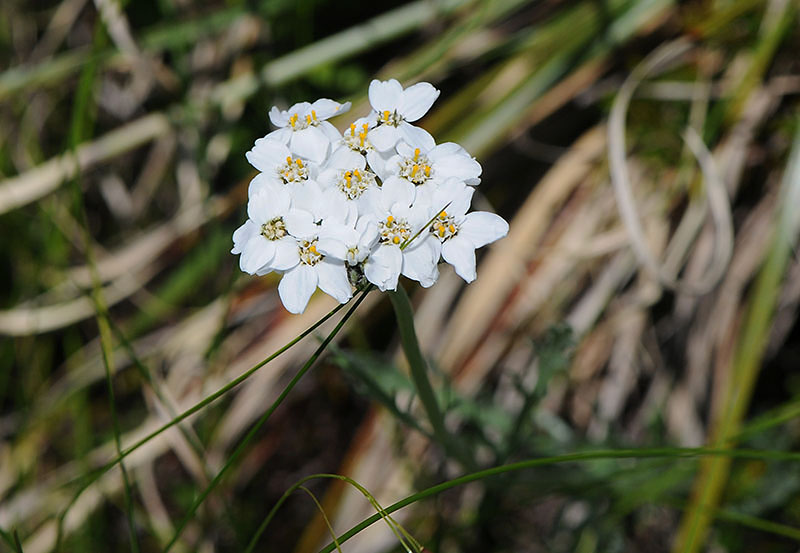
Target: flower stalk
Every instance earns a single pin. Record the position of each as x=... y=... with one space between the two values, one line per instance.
x=419 y=374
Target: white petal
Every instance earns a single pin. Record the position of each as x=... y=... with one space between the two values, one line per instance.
x=333 y=280
x=458 y=166
x=300 y=223
x=385 y=95
x=415 y=135
x=296 y=287
x=281 y=135
x=417 y=100
x=267 y=155
x=345 y=158
x=242 y=234
x=310 y=143
x=453 y=196
x=268 y=203
x=385 y=167
x=384 y=137
x=325 y=108
x=397 y=191
x=308 y=196
x=257 y=252
x=446 y=149
x=383 y=267
x=377 y=161
x=262 y=181
x=459 y=252
x=331 y=247
x=482 y=227
x=331 y=132
x=419 y=262
x=287 y=254
x=279 y=118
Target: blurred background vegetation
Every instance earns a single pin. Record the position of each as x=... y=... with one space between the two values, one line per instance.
x=123 y=127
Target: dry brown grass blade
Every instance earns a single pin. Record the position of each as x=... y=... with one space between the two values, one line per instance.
x=507 y=261
x=47 y=177
x=620 y=179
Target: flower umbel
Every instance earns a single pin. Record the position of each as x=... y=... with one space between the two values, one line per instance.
x=329 y=210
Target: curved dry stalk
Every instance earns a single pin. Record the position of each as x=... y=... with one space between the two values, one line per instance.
x=24 y=321
x=715 y=188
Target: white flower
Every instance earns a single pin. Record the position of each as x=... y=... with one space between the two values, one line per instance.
x=396 y=108
x=263 y=240
x=312 y=268
x=461 y=233
x=277 y=164
x=398 y=222
x=426 y=165
x=357 y=136
x=353 y=245
x=304 y=127
x=346 y=178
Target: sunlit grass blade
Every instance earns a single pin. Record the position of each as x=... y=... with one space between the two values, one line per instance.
x=400 y=533
x=746 y=363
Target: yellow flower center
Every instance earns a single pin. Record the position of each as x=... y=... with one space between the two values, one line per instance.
x=274 y=229
x=444 y=226
x=308 y=252
x=416 y=169
x=294 y=170
x=394 y=231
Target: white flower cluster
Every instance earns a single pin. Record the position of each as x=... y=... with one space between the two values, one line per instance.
x=329 y=210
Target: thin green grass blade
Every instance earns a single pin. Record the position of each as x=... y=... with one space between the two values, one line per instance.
x=237 y=453
x=81 y=121
x=583 y=456
x=746 y=363
x=93 y=476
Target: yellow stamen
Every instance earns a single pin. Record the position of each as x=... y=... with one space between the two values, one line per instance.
x=312 y=248
x=389 y=220
x=427 y=170
x=308 y=119
x=452 y=228
x=314 y=114
x=414 y=170
x=357 y=174
x=441 y=230
x=443 y=215
x=416 y=154
x=386 y=115
x=352 y=129
x=362 y=136
x=365 y=126
x=396 y=239
x=299 y=162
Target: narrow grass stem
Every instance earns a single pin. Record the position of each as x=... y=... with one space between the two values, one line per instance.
x=419 y=374
x=583 y=456
x=81 y=118
x=237 y=453
x=96 y=474
x=746 y=363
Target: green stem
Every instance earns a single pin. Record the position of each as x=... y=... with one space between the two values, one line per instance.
x=237 y=453
x=419 y=374
x=681 y=453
